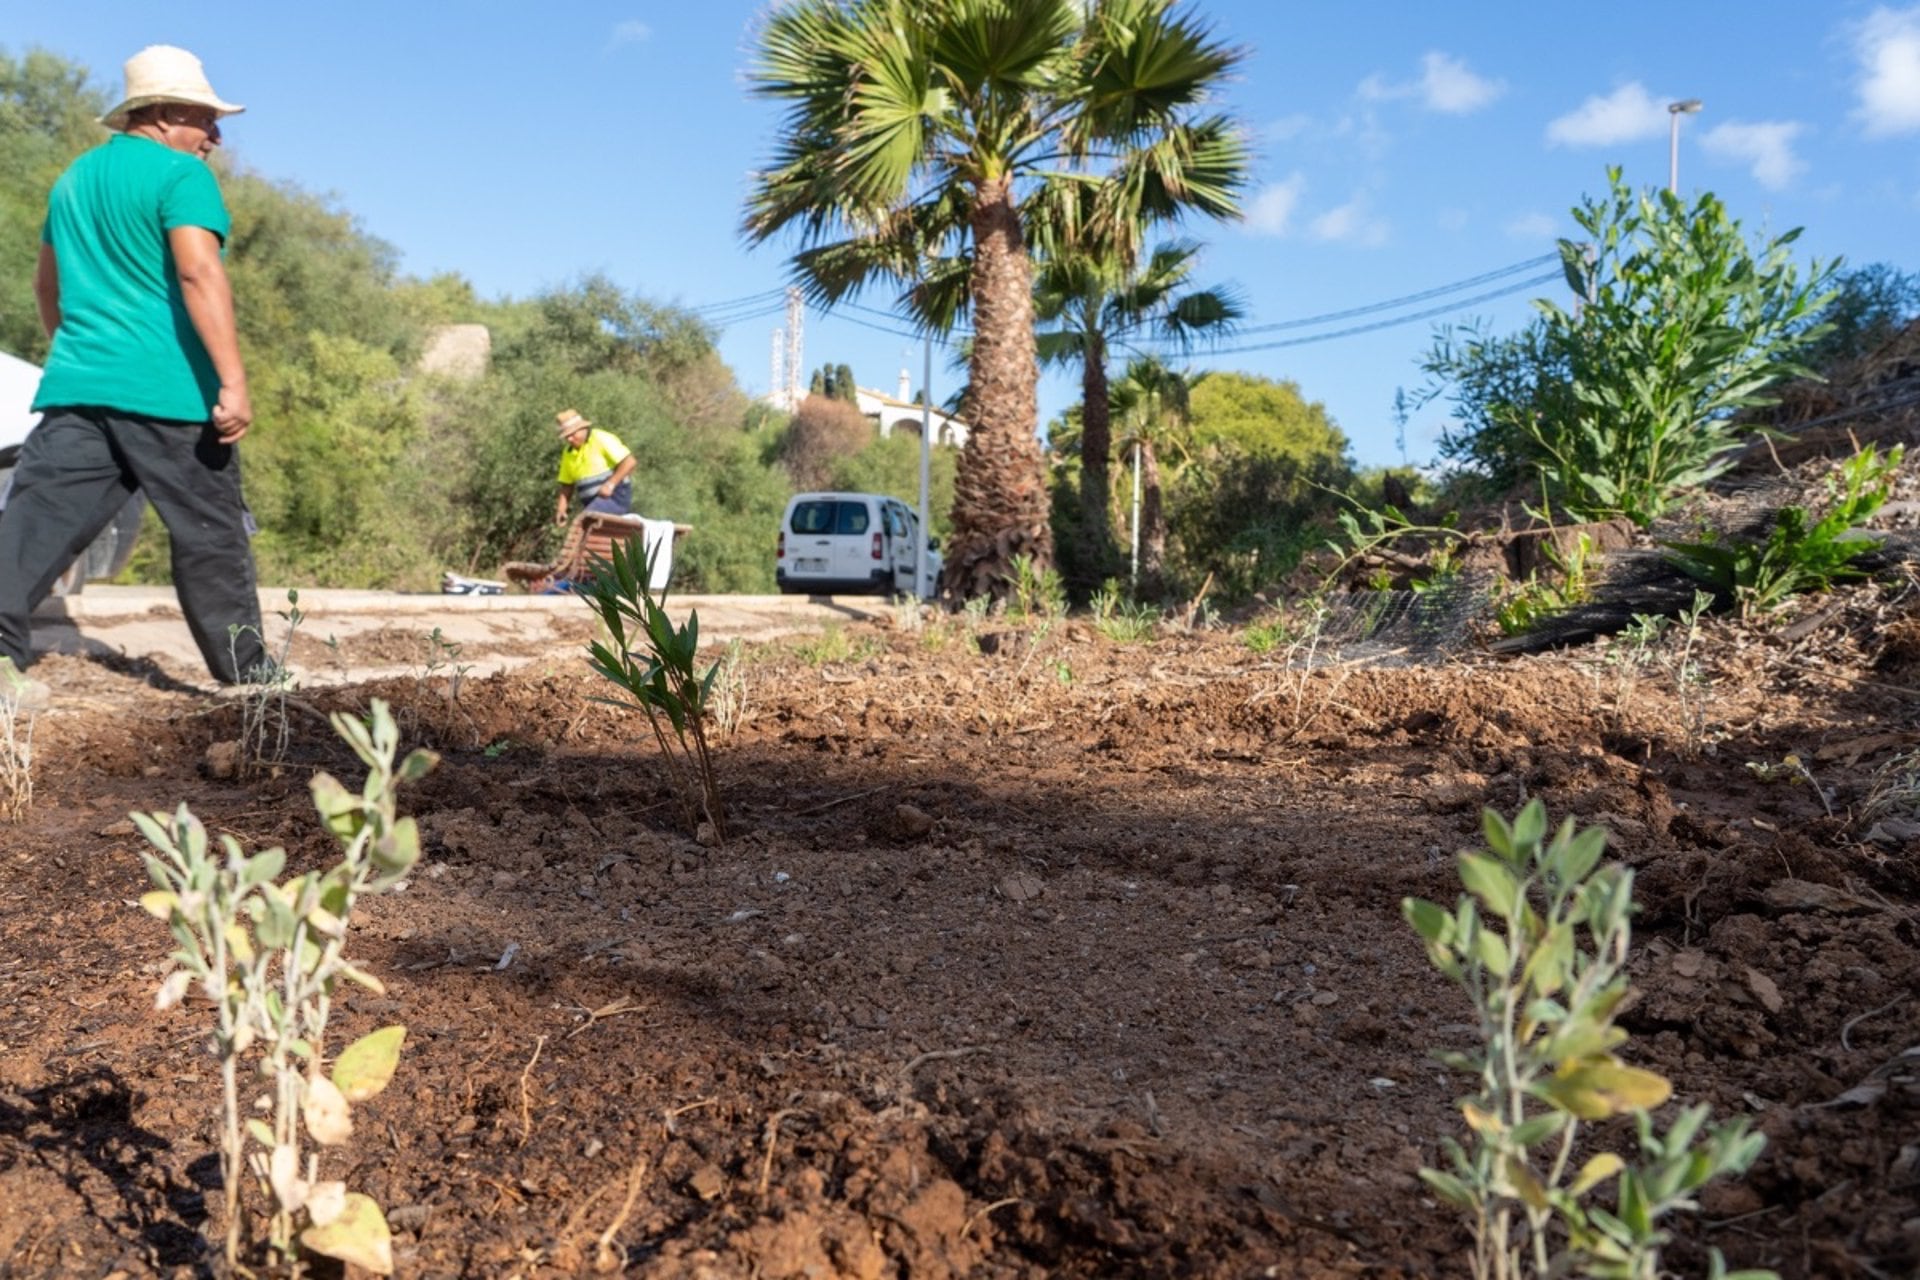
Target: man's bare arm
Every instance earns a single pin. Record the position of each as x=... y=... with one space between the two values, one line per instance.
x=46 y=289
x=209 y=298
x=620 y=472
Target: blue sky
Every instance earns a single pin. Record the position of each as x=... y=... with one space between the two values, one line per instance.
x=1400 y=146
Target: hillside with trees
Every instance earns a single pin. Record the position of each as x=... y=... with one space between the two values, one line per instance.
x=364 y=471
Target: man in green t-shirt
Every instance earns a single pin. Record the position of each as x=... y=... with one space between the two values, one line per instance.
x=595 y=468
x=144 y=387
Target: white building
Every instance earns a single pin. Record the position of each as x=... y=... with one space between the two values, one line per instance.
x=894 y=412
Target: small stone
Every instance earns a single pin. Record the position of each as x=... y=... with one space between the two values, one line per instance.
x=706 y=1182
x=1325 y=998
x=1021 y=887
x=912 y=822
x=223 y=760
x=409 y=1217
x=706 y=837
x=1765 y=991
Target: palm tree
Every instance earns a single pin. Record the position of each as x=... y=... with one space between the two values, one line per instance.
x=1096 y=303
x=1150 y=407
x=916 y=134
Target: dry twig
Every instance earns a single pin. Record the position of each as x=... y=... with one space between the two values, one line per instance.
x=773 y=1133
x=526 y=1112
x=605 y=1011
x=937 y=1055
x=986 y=1209
x=604 y=1258
x=669 y=1117
x=1857 y=1019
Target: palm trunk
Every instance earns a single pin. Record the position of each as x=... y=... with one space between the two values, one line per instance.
x=1000 y=493
x=1153 y=524
x=1099 y=557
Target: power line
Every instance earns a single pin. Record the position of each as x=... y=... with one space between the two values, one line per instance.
x=1459 y=304
x=727 y=313
x=1392 y=303
x=752 y=299
x=938 y=340
x=727 y=322
x=760 y=308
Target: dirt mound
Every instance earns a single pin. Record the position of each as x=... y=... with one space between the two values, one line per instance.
x=1076 y=959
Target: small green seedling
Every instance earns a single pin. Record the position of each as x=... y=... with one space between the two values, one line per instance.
x=265 y=727
x=1539 y=943
x=662 y=681
x=269 y=955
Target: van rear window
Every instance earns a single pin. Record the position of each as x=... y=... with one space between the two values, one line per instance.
x=824 y=516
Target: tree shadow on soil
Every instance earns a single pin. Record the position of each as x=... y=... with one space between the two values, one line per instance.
x=85 y=1122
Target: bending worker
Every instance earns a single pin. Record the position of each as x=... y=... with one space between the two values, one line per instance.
x=595 y=468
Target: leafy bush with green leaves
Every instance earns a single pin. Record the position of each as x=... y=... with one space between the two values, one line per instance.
x=1621 y=402
x=269 y=957
x=1870 y=305
x=1799 y=553
x=1539 y=944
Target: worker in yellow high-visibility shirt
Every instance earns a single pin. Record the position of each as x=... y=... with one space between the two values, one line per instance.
x=595 y=468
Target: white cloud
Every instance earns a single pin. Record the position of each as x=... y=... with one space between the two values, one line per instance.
x=1270 y=212
x=1887 y=45
x=1767 y=146
x=1287 y=128
x=632 y=31
x=1351 y=223
x=1533 y=226
x=1627 y=114
x=1445 y=85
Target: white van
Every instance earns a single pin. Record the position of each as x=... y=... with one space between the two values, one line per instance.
x=851 y=544
x=109 y=552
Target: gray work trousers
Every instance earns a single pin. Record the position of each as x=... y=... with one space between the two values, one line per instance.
x=77 y=468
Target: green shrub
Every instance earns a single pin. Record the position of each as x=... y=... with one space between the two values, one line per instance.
x=1627 y=399
x=1799 y=553
x=1539 y=944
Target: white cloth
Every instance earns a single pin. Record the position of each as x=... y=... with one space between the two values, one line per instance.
x=657 y=538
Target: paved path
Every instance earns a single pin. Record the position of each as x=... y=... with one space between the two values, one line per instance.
x=496 y=632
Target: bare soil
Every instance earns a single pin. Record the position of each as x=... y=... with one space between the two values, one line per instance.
x=1076 y=959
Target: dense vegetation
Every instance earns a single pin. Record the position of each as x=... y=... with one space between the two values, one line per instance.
x=365 y=472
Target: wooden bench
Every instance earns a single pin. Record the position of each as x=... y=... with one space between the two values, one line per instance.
x=592 y=536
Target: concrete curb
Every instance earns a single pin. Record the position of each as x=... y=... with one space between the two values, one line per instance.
x=99 y=602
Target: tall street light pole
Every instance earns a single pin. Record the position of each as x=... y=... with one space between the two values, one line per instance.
x=922 y=585
x=1674 y=111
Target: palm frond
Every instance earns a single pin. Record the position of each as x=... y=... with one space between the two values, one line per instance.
x=1190 y=168
x=1001 y=49
x=1142 y=67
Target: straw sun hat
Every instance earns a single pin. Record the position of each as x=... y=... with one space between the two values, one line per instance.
x=162 y=73
x=568 y=421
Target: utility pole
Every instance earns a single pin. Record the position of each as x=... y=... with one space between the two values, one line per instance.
x=1675 y=110
x=1133 y=572
x=922 y=587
